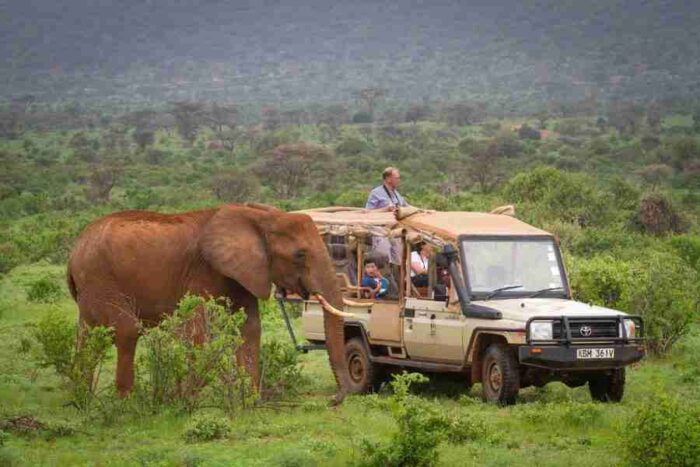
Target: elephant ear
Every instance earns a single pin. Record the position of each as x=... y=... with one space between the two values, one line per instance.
x=233 y=243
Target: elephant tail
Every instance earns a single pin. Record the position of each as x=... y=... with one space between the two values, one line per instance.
x=71 y=285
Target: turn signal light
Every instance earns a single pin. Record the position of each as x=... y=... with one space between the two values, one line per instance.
x=536 y=350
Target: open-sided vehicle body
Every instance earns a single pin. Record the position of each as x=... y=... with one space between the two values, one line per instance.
x=497 y=308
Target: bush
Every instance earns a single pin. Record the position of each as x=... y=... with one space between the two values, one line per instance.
x=688 y=248
x=657 y=216
x=664 y=291
x=174 y=371
x=660 y=287
x=206 y=428
x=662 y=432
x=421 y=428
x=44 y=290
x=601 y=280
x=79 y=366
x=4 y=438
x=469 y=428
x=280 y=370
x=548 y=194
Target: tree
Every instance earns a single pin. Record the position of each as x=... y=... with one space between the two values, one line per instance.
x=657 y=216
x=220 y=116
x=370 y=96
x=84 y=148
x=144 y=138
x=235 y=187
x=416 y=113
x=188 y=118
x=655 y=174
x=102 y=180
x=527 y=132
x=542 y=119
x=271 y=118
x=290 y=168
x=625 y=117
x=463 y=113
x=333 y=116
x=483 y=166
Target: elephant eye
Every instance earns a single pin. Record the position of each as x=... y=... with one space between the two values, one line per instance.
x=300 y=257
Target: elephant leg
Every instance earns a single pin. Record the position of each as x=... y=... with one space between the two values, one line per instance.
x=248 y=354
x=125 y=339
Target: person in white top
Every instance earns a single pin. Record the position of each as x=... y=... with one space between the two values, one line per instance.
x=420 y=260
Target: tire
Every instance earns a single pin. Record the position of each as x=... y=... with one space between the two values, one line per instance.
x=500 y=376
x=364 y=375
x=608 y=387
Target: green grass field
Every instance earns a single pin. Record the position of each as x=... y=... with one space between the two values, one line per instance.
x=550 y=426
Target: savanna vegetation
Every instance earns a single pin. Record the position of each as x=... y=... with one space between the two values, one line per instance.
x=619 y=184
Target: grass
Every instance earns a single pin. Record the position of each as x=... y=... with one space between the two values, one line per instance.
x=554 y=425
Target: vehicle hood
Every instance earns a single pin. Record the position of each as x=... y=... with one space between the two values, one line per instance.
x=522 y=309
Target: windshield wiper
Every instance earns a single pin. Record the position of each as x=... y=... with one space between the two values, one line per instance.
x=501 y=289
x=540 y=292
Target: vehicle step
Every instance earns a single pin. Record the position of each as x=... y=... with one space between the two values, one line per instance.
x=425 y=366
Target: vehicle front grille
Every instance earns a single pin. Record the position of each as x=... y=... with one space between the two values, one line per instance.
x=598 y=329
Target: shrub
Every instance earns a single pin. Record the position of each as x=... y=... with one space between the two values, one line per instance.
x=206 y=428
x=601 y=280
x=656 y=215
x=688 y=248
x=660 y=287
x=79 y=366
x=421 y=428
x=664 y=291
x=280 y=370
x=662 y=432
x=4 y=437
x=469 y=428
x=174 y=371
x=44 y=290
x=548 y=194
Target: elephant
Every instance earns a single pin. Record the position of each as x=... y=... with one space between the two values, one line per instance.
x=129 y=269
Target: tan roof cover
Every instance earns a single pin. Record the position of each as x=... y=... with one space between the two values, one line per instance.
x=448 y=225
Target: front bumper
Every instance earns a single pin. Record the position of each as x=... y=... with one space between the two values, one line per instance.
x=559 y=357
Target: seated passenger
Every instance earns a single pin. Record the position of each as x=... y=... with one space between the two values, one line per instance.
x=420 y=260
x=373 y=280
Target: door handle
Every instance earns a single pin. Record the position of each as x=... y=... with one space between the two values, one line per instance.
x=422 y=313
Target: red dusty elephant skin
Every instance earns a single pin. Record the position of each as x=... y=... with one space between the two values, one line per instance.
x=131 y=268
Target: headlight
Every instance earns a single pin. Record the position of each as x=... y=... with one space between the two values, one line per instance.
x=541 y=330
x=630 y=328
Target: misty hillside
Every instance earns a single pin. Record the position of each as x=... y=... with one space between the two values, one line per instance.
x=516 y=52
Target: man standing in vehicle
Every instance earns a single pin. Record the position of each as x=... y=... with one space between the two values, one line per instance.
x=386 y=195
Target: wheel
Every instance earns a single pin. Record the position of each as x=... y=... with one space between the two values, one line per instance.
x=364 y=375
x=608 y=387
x=500 y=378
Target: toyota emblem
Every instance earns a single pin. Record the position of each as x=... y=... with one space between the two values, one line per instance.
x=586 y=331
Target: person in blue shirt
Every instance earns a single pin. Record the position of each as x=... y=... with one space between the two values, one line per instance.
x=386 y=194
x=373 y=280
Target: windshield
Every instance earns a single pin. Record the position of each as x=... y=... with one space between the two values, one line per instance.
x=518 y=266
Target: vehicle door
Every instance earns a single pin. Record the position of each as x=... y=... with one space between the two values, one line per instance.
x=432 y=332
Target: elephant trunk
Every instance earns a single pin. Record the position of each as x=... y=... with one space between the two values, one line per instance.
x=333 y=323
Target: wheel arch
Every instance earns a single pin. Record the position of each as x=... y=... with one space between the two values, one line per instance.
x=480 y=342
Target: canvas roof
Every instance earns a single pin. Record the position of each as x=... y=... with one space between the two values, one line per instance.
x=447 y=225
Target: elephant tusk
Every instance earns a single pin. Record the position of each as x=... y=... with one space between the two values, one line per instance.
x=331 y=309
x=353 y=303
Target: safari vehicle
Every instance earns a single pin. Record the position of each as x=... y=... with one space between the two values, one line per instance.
x=497 y=308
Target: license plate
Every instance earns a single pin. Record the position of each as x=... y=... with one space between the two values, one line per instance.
x=583 y=354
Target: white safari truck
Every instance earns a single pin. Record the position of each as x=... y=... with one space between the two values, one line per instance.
x=495 y=306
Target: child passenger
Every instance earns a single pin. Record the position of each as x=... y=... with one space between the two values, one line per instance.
x=373 y=280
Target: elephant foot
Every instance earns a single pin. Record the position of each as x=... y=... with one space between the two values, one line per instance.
x=338 y=398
